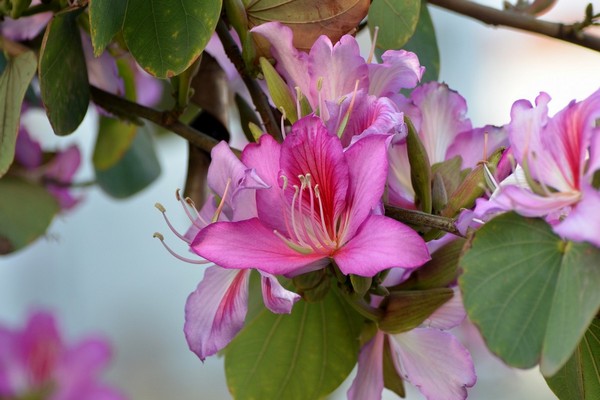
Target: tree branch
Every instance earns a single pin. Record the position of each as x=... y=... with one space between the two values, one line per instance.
x=424 y=219
x=125 y=108
x=492 y=16
x=258 y=97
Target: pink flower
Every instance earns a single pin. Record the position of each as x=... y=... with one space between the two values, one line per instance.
x=430 y=358
x=559 y=156
x=215 y=311
x=318 y=209
x=35 y=362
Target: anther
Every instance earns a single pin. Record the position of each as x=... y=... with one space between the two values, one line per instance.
x=188 y=260
x=163 y=211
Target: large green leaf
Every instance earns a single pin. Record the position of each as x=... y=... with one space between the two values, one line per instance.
x=114 y=139
x=396 y=19
x=63 y=74
x=424 y=43
x=138 y=168
x=531 y=294
x=26 y=210
x=13 y=84
x=580 y=376
x=305 y=355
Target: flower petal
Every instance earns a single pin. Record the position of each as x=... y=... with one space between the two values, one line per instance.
x=400 y=70
x=28 y=152
x=450 y=314
x=583 y=222
x=309 y=148
x=473 y=146
x=367 y=167
x=435 y=362
x=400 y=190
x=277 y=299
x=249 y=244
x=381 y=243
x=25 y=28
x=526 y=203
x=368 y=383
x=215 y=311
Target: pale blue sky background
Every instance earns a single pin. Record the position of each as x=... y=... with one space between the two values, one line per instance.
x=101 y=270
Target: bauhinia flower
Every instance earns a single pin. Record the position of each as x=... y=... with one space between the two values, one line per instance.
x=215 y=311
x=334 y=77
x=428 y=357
x=36 y=363
x=439 y=116
x=318 y=209
x=559 y=157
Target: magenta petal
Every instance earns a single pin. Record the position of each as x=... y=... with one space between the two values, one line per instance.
x=529 y=204
x=28 y=152
x=277 y=299
x=583 y=222
x=309 y=148
x=249 y=244
x=291 y=63
x=435 y=362
x=215 y=311
x=339 y=67
x=442 y=118
x=381 y=243
x=368 y=383
x=367 y=167
x=472 y=147
x=400 y=70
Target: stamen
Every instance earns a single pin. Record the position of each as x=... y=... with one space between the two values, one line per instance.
x=294 y=224
x=292 y=245
x=163 y=211
x=283 y=117
x=199 y=217
x=373 y=44
x=344 y=122
x=304 y=180
x=316 y=233
x=222 y=202
x=188 y=260
x=285 y=181
x=187 y=212
x=318 y=196
x=298 y=99
x=319 y=87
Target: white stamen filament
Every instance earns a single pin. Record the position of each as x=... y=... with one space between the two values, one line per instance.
x=373 y=44
x=283 y=117
x=298 y=99
x=294 y=223
x=187 y=211
x=222 y=202
x=319 y=87
x=188 y=260
x=163 y=211
x=199 y=217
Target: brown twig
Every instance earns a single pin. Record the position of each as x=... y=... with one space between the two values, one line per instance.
x=491 y=16
x=122 y=107
x=258 y=97
x=414 y=217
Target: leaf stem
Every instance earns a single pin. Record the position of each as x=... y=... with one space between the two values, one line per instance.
x=492 y=16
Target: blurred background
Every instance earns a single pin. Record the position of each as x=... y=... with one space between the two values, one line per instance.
x=100 y=270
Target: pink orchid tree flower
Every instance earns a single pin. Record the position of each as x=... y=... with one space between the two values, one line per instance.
x=559 y=157
x=428 y=357
x=215 y=311
x=318 y=209
x=439 y=116
x=333 y=77
x=35 y=362
x=25 y=28
x=55 y=173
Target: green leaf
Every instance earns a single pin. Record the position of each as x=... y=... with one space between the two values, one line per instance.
x=531 y=294
x=138 y=168
x=420 y=168
x=13 y=84
x=580 y=376
x=396 y=19
x=114 y=139
x=165 y=37
x=280 y=93
x=106 y=20
x=26 y=211
x=63 y=74
x=424 y=43
x=304 y=355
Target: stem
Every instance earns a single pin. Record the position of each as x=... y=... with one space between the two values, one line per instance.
x=491 y=16
x=420 y=218
x=120 y=106
x=41 y=8
x=258 y=97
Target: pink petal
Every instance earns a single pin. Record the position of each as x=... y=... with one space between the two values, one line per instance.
x=291 y=63
x=277 y=299
x=381 y=243
x=28 y=152
x=309 y=148
x=583 y=222
x=85 y=359
x=339 y=67
x=249 y=244
x=215 y=311
x=367 y=167
x=102 y=71
x=264 y=157
x=400 y=70
x=435 y=362
x=442 y=118
x=528 y=203
x=400 y=190
x=452 y=313
x=25 y=28
x=368 y=383
x=472 y=146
